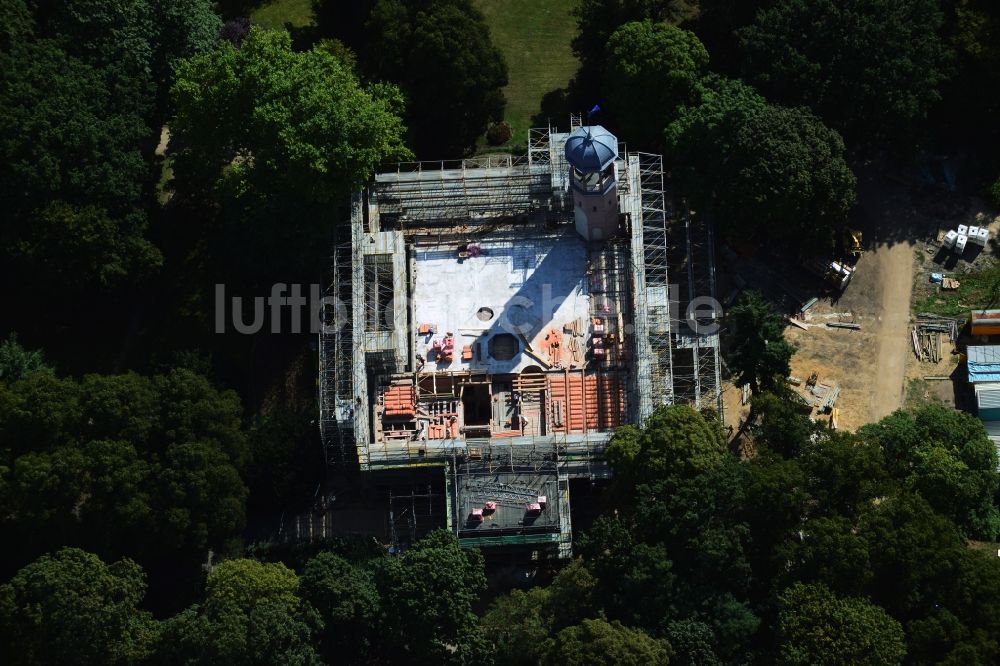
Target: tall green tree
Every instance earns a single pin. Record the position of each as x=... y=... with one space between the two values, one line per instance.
x=270 y=143
x=72 y=608
x=675 y=441
x=123 y=464
x=869 y=68
x=427 y=596
x=266 y=118
x=760 y=355
x=786 y=178
x=945 y=456
x=71 y=170
x=251 y=614
x=701 y=138
x=815 y=627
x=439 y=52
x=596 y=20
x=652 y=68
x=601 y=643
x=348 y=603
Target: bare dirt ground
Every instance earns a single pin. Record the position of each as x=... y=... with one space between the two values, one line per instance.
x=875 y=367
x=867 y=365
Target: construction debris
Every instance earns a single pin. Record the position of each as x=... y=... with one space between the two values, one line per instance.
x=926 y=335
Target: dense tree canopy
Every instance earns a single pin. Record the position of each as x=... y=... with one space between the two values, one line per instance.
x=603 y=643
x=121 y=464
x=652 y=68
x=72 y=608
x=787 y=177
x=869 y=68
x=439 y=52
x=251 y=614
x=815 y=627
x=596 y=20
x=267 y=119
x=946 y=457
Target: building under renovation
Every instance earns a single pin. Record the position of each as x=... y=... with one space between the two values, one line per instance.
x=499 y=317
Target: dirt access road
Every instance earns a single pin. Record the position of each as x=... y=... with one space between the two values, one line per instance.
x=868 y=365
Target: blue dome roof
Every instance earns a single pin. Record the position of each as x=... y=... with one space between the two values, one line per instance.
x=591 y=149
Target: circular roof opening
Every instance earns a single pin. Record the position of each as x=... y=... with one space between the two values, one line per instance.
x=504 y=347
x=484 y=314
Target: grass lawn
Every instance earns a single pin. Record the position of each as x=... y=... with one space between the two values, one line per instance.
x=974 y=291
x=275 y=13
x=534 y=36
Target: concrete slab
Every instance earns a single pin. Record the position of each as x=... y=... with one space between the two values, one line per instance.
x=530 y=285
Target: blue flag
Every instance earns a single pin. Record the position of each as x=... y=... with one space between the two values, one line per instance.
x=594 y=110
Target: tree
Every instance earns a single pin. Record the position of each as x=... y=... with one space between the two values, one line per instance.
x=783 y=427
x=844 y=474
x=17 y=23
x=16 y=362
x=519 y=624
x=433 y=50
x=815 y=627
x=760 y=355
x=596 y=20
x=692 y=644
x=830 y=552
x=868 y=68
x=251 y=615
x=946 y=457
x=675 y=441
x=348 y=603
x=652 y=68
x=598 y=642
x=427 y=596
x=702 y=137
x=787 y=178
x=442 y=50
x=274 y=140
x=147 y=466
x=72 y=608
x=70 y=168
x=267 y=118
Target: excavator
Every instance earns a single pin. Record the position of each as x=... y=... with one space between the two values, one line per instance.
x=852 y=244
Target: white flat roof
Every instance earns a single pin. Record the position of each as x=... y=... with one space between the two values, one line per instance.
x=531 y=284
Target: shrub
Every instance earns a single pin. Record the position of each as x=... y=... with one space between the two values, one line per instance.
x=499 y=133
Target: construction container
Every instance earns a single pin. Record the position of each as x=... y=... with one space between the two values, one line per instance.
x=963 y=230
x=476 y=516
x=949 y=239
x=533 y=509
x=985 y=322
x=960 y=243
x=983 y=236
x=988 y=402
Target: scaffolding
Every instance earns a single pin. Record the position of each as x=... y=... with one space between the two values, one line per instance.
x=696 y=359
x=655 y=300
x=484 y=188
